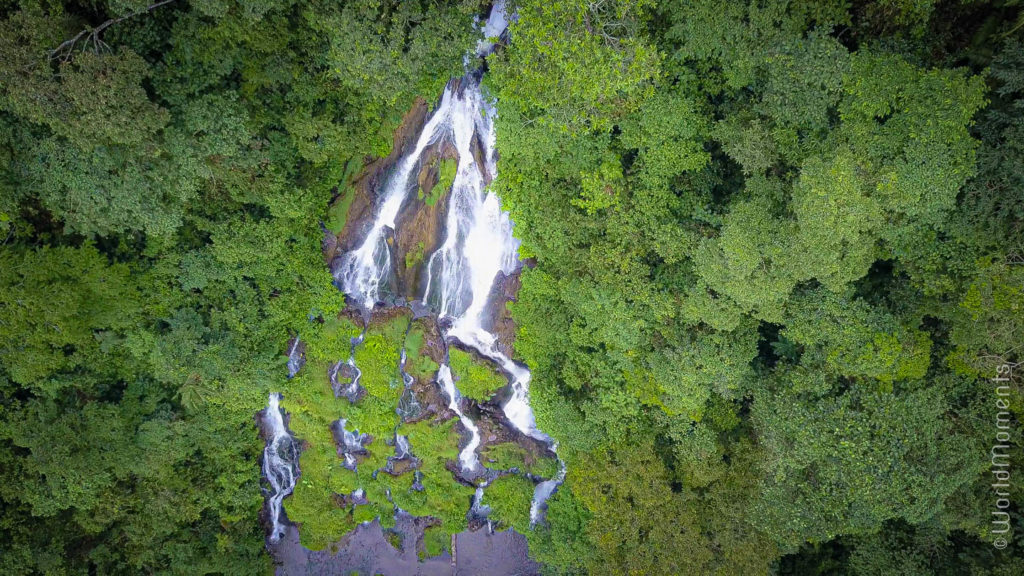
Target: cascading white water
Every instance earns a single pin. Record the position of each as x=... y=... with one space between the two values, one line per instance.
x=362 y=271
x=280 y=464
x=461 y=274
x=353 y=390
x=295 y=359
x=467 y=458
x=408 y=406
x=402 y=449
x=496 y=24
x=407 y=378
x=352 y=443
x=353 y=387
x=478 y=244
x=544 y=490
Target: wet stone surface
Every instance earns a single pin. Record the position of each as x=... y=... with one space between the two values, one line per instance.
x=366 y=550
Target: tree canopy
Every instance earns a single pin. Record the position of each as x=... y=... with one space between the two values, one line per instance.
x=775 y=249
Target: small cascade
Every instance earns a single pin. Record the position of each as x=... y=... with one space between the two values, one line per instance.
x=468 y=458
x=334 y=375
x=296 y=359
x=403 y=460
x=543 y=491
x=358 y=497
x=478 y=510
x=417 y=482
x=408 y=407
x=354 y=391
x=517 y=408
x=280 y=465
x=479 y=514
x=350 y=444
x=402 y=450
x=348 y=370
x=495 y=26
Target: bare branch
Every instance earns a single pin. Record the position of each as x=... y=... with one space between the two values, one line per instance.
x=67 y=47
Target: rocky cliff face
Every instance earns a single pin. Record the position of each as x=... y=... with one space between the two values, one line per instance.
x=420 y=225
x=360 y=211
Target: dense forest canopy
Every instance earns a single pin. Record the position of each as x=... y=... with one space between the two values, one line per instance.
x=776 y=249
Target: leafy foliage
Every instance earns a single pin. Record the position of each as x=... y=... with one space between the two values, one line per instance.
x=775 y=250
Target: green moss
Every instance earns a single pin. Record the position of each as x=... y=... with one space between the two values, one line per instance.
x=509 y=498
x=435 y=542
x=382 y=142
x=337 y=212
x=446 y=177
x=329 y=342
x=414 y=257
x=418 y=364
x=395 y=539
x=475 y=379
x=511 y=455
x=442 y=497
x=313 y=407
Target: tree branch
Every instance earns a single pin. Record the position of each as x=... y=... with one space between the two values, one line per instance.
x=66 y=47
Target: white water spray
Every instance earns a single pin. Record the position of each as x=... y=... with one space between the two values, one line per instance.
x=280 y=464
x=467 y=458
x=295 y=359
x=496 y=24
x=363 y=271
x=478 y=245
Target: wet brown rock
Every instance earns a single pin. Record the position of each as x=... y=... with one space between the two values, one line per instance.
x=432 y=401
x=465 y=477
x=477 y=149
x=433 y=342
x=493 y=430
x=329 y=244
x=267 y=434
x=420 y=226
x=340 y=500
x=500 y=323
x=348 y=500
x=398 y=467
x=368 y=183
x=382 y=316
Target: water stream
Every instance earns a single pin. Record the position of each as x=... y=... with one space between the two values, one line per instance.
x=280 y=464
x=478 y=250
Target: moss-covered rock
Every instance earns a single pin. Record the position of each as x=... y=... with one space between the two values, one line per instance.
x=509 y=498
x=474 y=376
x=509 y=455
x=322 y=503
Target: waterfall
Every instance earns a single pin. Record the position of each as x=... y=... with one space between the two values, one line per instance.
x=350 y=444
x=467 y=458
x=362 y=271
x=496 y=24
x=478 y=248
x=348 y=369
x=408 y=407
x=280 y=464
x=544 y=490
x=295 y=359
